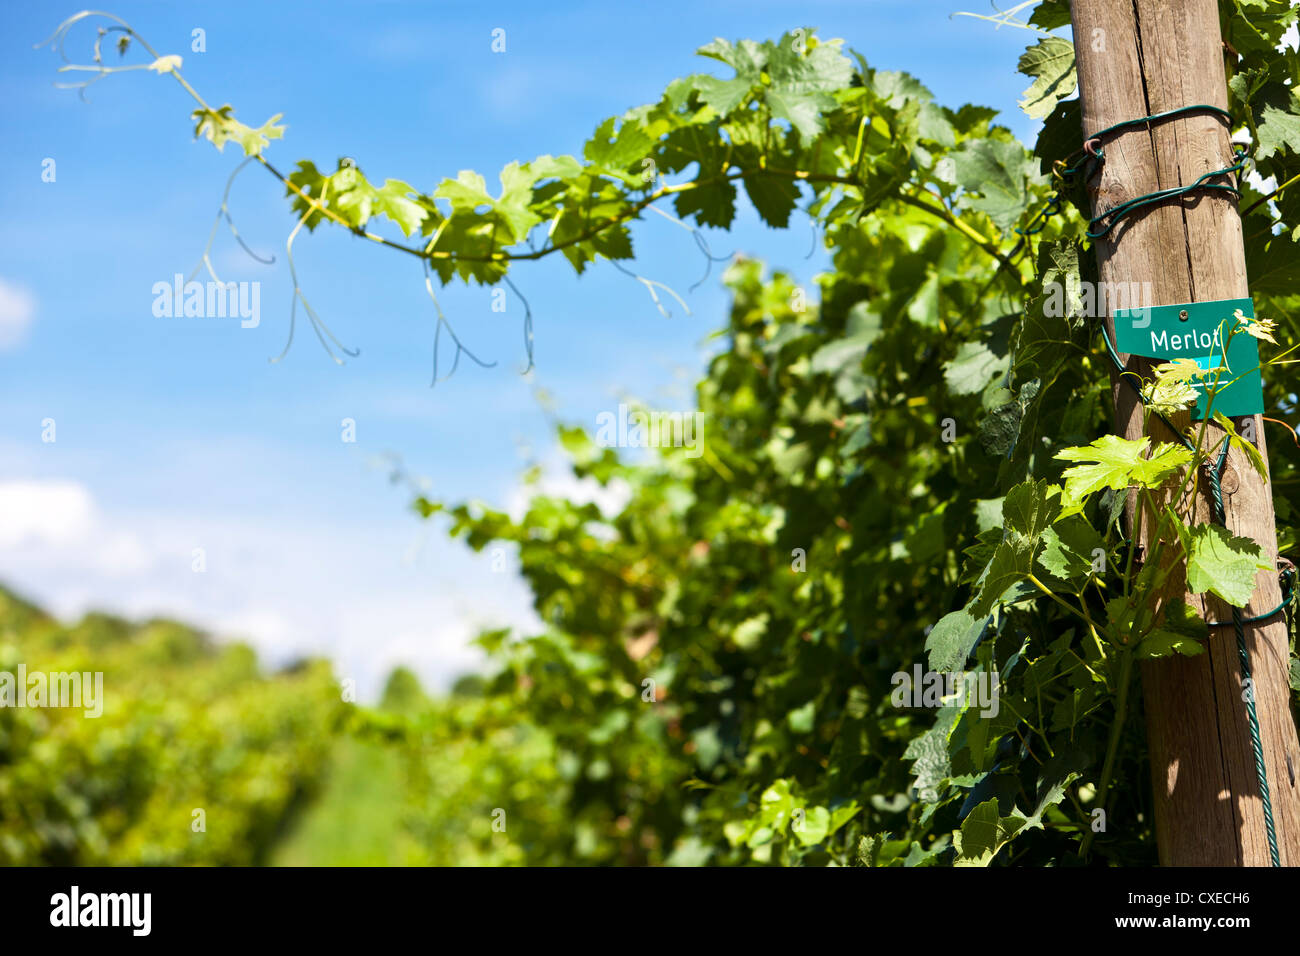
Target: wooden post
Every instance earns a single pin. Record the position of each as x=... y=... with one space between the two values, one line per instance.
x=1137 y=58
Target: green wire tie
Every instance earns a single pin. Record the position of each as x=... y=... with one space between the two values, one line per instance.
x=1092 y=154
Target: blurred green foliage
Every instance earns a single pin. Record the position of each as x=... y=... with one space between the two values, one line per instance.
x=186 y=725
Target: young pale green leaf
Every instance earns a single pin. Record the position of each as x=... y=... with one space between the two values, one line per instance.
x=1245 y=447
x=514 y=207
x=392 y=200
x=869 y=848
x=1169 y=394
x=311 y=181
x=219 y=126
x=1114 y=462
x=165 y=64
x=466 y=192
x=353 y=197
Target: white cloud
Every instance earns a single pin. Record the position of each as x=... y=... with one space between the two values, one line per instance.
x=54 y=526
x=41 y=513
x=17 y=308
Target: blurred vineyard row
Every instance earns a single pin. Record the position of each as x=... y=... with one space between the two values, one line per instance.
x=284 y=772
x=186 y=725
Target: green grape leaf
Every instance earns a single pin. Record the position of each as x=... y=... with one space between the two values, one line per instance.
x=1279 y=128
x=1050 y=62
x=617 y=151
x=352 y=195
x=1031 y=507
x=311 y=181
x=951 y=641
x=802 y=110
x=1051 y=14
x=745 y=57
x=553 y=167
x=1246 y=448
x=809 y=67
x=713 y=205
x=973 y=367
x=815 y=828
x=514 y=206
x=1012 y=562
x=773 y=196
x=1162 y=643
x=999 y=430
x=1222 y=564
x=722 y=96
x=995 y=174
x=466 y=193
x=1070 y=547
x=1048 y=796
x=983 y=833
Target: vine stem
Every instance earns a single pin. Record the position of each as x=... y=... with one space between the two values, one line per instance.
x=1264 y=199
x=986 y=244
x=1112 y=745
x=1080 y=611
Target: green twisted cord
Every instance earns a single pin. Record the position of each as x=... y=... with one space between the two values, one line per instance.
x=1216 y=492
x=1092 y=157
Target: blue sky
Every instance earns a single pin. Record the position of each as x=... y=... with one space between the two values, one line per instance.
x=174 y=434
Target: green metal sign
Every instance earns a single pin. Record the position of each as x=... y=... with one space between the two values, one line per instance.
x=1198 y=331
